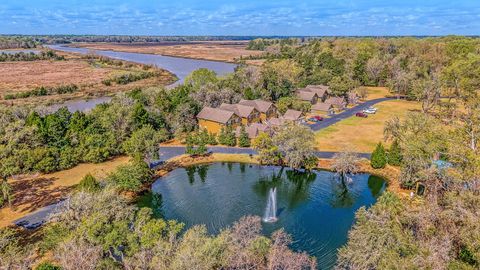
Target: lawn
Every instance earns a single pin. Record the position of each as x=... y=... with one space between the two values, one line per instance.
x=362 y=134
x=377 y=92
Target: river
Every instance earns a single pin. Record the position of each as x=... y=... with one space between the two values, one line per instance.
x=181 y=67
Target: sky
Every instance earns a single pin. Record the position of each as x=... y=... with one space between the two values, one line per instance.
x=237 y=17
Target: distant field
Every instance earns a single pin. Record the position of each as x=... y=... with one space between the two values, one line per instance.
x=226 y=51
x=24 y=76
x=362 y=134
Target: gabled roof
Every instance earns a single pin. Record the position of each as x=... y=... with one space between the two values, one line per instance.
x=322 y=106
x=215 y=115
x=305 y=95
x=252 y=131
x=260 y=127
x=292 y=115
x=321 y=90
x=238 y=109
x=260 y=105
x=335 y=100
x=274 y=121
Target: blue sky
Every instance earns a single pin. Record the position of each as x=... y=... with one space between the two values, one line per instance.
x=281 y=17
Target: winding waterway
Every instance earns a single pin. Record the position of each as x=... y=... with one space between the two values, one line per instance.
x=181 y=67
x=317 y=209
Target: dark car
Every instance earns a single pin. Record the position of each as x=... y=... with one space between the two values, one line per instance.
x=361 y=114
x=312 y=119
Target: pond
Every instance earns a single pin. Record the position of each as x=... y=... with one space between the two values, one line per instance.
x=316 y=209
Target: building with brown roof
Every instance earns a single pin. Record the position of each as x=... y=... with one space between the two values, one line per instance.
x=267 y=109
x=292 y=115
x=320 y=90
x=337 y=102
x=307 y=96
x=323 y=108
x=248 y=113
x=213 y=119
x=275 y=122
x=253 y=130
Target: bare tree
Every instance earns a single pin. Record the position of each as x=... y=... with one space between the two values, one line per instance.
x=345 y=163
x=281 y=257
x=78 y=255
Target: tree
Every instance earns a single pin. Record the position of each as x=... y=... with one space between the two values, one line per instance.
x=394 y=156
x=243 y=140
x=268 y=153
x=340 y=86
x=200 y=78
x=379 y=157
x=144 y=143
x=5 y=192
x=296 y=143
x=345 y=163
x=131 y=176
x=227 y=136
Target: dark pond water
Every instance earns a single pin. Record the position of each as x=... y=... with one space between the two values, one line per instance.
x=181 y=67
x=316 y=209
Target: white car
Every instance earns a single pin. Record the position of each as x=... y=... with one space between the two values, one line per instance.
x=369 y=111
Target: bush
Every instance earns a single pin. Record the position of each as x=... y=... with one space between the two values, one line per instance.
x=243 y=140
x=130 y=177
x=379 y=157
x=394 y=154
x=47 y=266
x=88 y=183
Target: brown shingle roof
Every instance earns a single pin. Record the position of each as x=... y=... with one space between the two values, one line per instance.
x=305 y=95
x=292 y=115
x=251 y=131
x=322 y=106
x=260 y=127
x=320 y=90
x=238 y=109
x=274 y=121
x=335 y=100
x=260 y=105
x=215 y=115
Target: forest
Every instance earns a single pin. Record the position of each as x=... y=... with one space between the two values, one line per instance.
x=440 y=230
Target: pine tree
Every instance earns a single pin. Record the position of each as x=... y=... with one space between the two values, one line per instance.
x=230 y=138
x=379 y=157
x=243 y=140
x=212 y=139
x=394 y=156
x=222 y=137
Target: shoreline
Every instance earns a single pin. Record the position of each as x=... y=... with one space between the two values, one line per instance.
x=235 y=61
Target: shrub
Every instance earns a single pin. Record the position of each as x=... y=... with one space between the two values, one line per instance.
x=130 y=177
x=88 y=183
x=394 y=156
x=379 y=157
x=47 y=266
x=243 y=140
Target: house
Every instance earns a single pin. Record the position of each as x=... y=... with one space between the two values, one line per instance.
x=292 y=115
x=307 y=96
x=337 y=102
x=275 y=122
x=267 y=109
x=248 y=113
x=214 y=119
x=253 y=130
x=353 y=98
x=320 y=90
x=323 y=108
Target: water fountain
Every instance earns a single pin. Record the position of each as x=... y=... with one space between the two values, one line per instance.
x=271 y=210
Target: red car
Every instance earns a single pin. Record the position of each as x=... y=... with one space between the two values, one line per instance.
x=361 y=114
x=318 y=117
